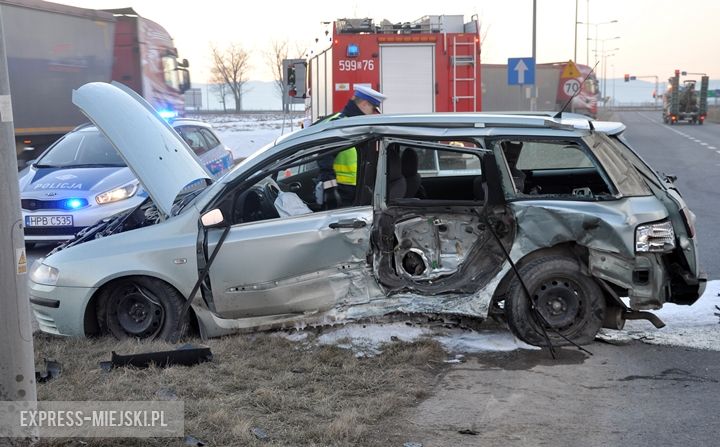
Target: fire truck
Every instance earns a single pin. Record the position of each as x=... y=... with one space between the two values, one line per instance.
x=429 y=65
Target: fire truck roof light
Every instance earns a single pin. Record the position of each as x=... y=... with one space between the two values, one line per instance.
x=353 y=50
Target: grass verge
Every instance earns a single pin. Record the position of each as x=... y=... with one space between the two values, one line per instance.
x=299 y=393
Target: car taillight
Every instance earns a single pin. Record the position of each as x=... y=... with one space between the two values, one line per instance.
x=689 y=220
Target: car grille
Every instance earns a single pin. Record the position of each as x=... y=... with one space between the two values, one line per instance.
x=52 y=231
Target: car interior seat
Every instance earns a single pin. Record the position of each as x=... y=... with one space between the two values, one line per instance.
x=396 y=185
x=479 y=186
x=512 y=154
x=413 y=181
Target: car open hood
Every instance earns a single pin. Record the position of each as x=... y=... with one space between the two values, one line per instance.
x=149 y=146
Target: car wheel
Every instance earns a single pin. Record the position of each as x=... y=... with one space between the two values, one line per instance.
x=569 y=302
x=143 y=308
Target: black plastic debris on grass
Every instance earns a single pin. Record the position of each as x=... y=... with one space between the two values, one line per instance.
x=186 y=355
x=52 y=371
x=468 y=431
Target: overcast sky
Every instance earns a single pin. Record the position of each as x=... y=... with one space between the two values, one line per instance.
x=655 y=36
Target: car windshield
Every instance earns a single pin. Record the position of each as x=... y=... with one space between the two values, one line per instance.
x=82 y=149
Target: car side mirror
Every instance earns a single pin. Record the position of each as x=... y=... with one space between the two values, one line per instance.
x=213 y=219
x=26 y=163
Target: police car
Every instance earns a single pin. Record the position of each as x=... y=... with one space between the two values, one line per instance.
x=82 y=179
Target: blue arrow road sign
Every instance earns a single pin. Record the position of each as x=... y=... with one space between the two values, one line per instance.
x=521 y=71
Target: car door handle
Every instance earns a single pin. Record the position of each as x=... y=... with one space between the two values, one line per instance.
x=295 y=187
x=348 y=223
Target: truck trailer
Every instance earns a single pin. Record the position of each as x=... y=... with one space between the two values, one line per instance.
x=556 y=82
x=53 y=49
x=429 y=65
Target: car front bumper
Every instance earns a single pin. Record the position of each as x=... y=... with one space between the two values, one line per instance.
x=81 y=219
x=60 y=310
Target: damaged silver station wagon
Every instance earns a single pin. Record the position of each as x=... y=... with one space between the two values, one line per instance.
x=548 y=222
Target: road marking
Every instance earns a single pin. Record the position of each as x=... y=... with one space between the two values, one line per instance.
x=679 y=132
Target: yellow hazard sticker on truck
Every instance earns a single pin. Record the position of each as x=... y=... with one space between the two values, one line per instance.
x=570 y=70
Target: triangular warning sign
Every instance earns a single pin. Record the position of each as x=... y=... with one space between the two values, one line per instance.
x=21 y=260
x=570 y=70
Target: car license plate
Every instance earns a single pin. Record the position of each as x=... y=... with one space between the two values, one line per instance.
x=48 y=221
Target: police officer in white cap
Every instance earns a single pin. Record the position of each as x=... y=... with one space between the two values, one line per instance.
x=338 y=175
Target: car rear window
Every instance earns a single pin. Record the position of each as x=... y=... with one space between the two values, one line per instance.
x=621 y=171
x=83 y=148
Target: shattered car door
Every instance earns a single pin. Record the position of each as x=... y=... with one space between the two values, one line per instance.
x=298 y=264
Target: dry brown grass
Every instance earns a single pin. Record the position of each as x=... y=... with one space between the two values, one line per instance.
x=300 y=393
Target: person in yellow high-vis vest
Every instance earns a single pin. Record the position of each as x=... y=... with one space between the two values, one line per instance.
x=338 y=176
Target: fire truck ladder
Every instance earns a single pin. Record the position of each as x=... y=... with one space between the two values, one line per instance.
x=464 y=60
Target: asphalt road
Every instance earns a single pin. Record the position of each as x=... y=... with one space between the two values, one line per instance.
x=692 y=153
x=631 y=395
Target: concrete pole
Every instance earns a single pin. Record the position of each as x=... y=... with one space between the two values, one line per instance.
x=576 y=24
x=587 y=34
x=17 y=366
x=533 y=100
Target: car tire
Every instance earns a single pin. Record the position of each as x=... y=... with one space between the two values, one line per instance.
x=142 y=308
x=570 y=302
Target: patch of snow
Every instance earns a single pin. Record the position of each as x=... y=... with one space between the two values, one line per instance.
x=244 y=134
x=366 y=340
x=693 y=326
x=470 y=342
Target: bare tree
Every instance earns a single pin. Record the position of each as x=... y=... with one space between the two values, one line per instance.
x=274 y=57
x=218 y=85
x=231 y=66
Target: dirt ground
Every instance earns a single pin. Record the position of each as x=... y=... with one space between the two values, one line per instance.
x=299 y=393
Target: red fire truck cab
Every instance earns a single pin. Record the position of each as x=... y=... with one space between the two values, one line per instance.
x=429 y=65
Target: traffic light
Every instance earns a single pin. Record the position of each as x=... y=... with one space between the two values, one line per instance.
x=294 y=79
x=627 y=78
x=292 y=91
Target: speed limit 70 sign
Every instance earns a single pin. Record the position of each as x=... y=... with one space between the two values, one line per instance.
x=571 y=86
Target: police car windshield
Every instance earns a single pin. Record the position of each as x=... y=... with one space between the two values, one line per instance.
x=85 y=148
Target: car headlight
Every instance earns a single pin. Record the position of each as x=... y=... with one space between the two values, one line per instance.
x=44 y=274
x=655 y=237
x=117 y=194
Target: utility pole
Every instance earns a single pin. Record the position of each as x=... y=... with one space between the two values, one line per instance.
x=533 y=100
x=587 y=34
x=17 y=366
x=576 y=24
